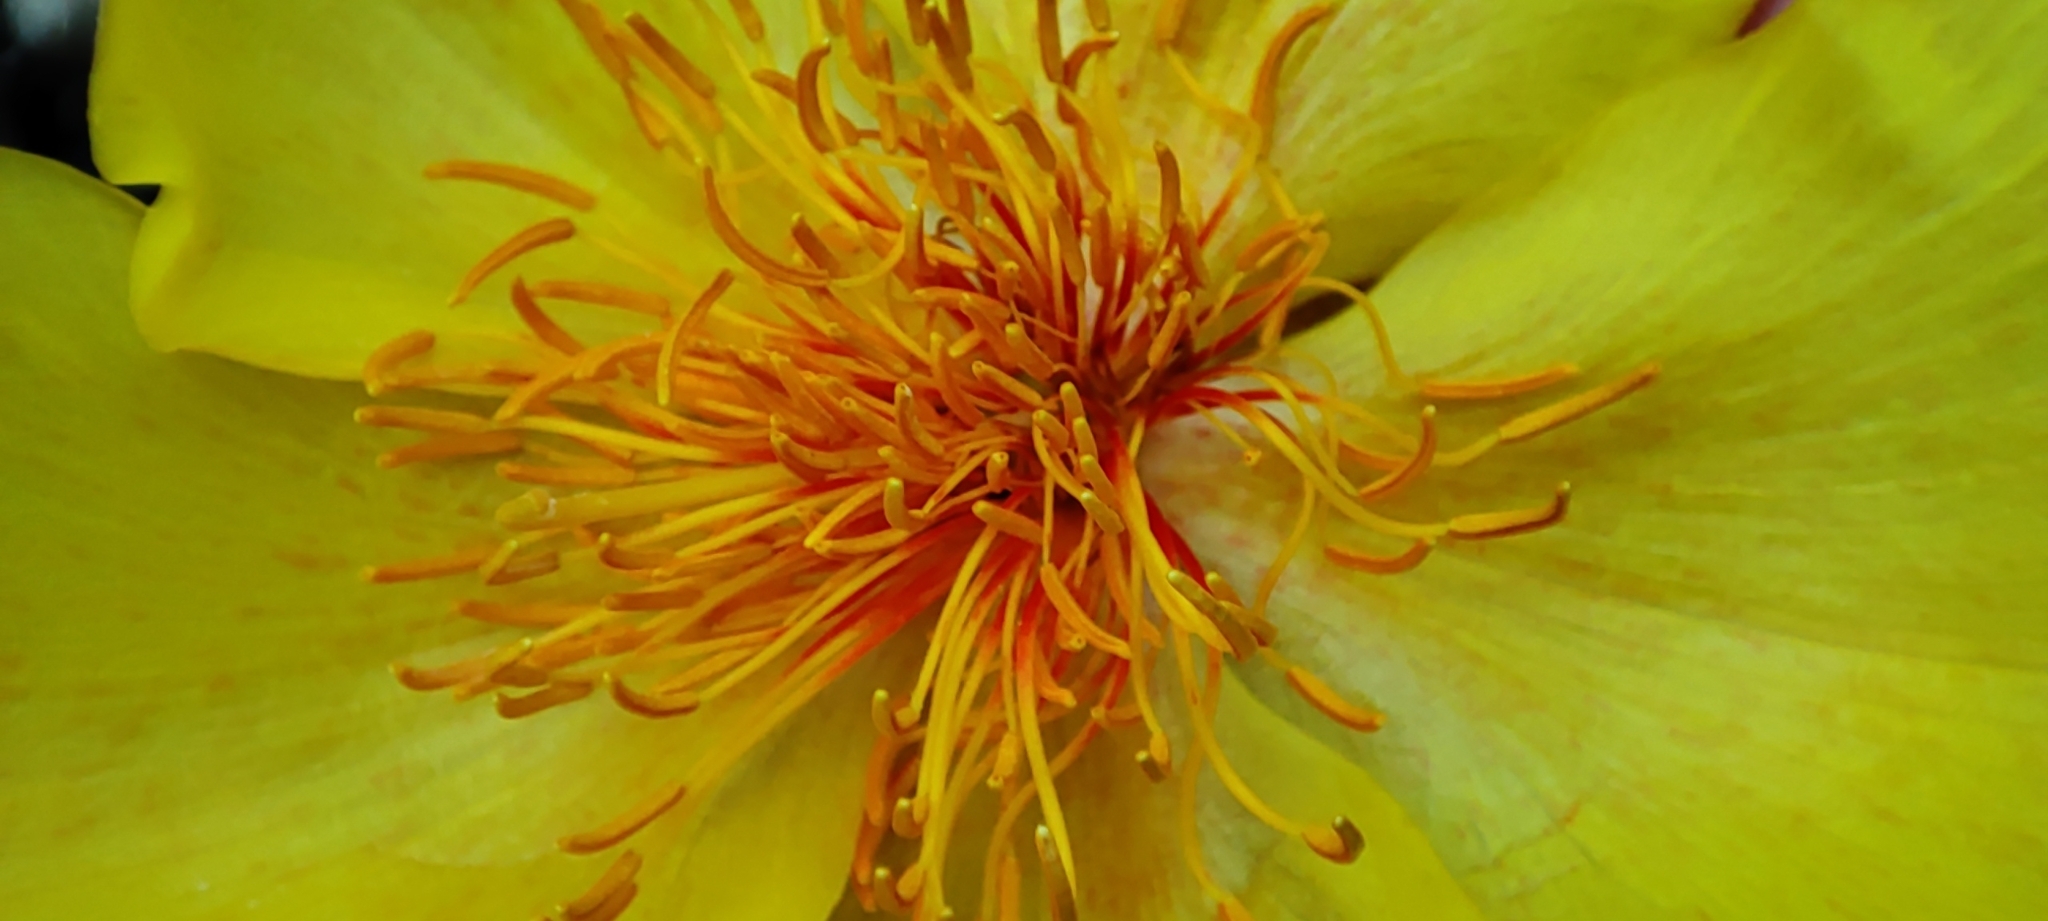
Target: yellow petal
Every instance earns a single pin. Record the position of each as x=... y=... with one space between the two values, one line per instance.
x=1784 y=659
x=195 y=687
x=296 y=229
x=776 y=839
x=1389 y=114
x=1839 y=272
x=1398 y=876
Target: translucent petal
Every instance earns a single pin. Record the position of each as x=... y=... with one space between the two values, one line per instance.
x=1784 y=658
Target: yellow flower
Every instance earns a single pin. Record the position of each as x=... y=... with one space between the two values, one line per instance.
x=1784 y=659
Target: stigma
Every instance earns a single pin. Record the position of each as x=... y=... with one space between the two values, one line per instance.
x=913 y=412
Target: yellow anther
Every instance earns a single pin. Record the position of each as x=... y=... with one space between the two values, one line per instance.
x=1024 y=397
x=1008 y=522
x=1051 y=430
x=1030 y=358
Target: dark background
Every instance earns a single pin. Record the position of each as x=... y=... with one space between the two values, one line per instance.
x=42 y=80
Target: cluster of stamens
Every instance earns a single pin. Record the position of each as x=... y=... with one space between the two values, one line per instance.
x=918 y=414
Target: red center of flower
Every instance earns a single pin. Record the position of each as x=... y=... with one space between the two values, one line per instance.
x=918 y=411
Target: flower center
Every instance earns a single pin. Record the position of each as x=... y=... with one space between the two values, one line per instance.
x=920 y=406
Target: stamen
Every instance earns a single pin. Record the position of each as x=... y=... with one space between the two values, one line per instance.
x=1098 y=15
x=378 y=366
x=1340 y=843
x=1059 y=886
x=672 y=58
x=513 y=707
x=544 y=328
x=1412 y=470
x=588 y=475
x=1498 y=388
x=750 y=20
x=1050 y=58
x=423 y=420
x=628 y=823
x=1267 y=82
x=532 y=182
x=1340 y=711
x=602 y=294
x=722 y=225
x=651 y=706
x=429 y=568
x=896 y=414
x=1008 y=522
x=449 y=447
x=810 y=105
x=1575 y=407
x=612 y=907
x=1486 y=525
x=619 y=875
x=1382 y=565
x=545 y=233
x=952 y=52
x=1024 y=397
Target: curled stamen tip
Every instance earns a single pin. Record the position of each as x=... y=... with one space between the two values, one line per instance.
x=1340 y=843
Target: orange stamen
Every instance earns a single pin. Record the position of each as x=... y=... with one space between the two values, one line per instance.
x=429 y=568
x=1487 y=525
x=1381 y=565
x=629 y=823
x=545 y=233
x=1267 y=83
x=619 y=875
x=532 y=182
x=932 y=393
x=448 y=447
x=1497 y=388
x=384 y=358
x=1575 y=407
x=1339 y=710
x=602 y=294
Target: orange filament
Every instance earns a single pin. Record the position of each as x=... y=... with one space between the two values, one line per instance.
x=1496 y=389
x=1340 y=711
x=532 y=182
x=912 y=411
x=1268 y=81
x=385 y=358
x=449 y=447
x=430 y=568
x=1381 y=565
x=600 y=293
x=1507 y=524
x=545 y=233
x=616 y=878
x=1550 y=417
x=619 y=829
